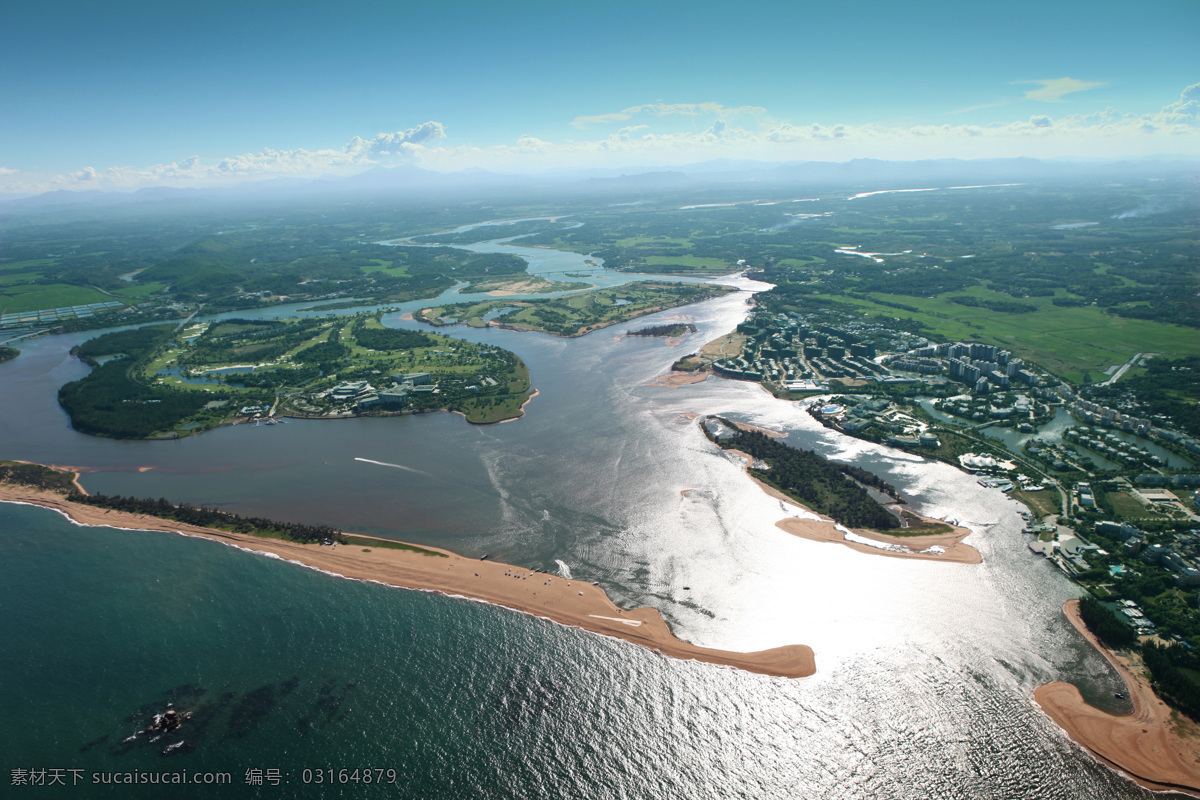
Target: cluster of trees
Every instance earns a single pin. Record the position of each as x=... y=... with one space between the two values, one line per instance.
x=1000 y=306
x=8 y=354
x=133 y=343
x=390 y=339
x=1105 y=625
x=37 y=476
x=1167 y=667
x=870 y=479
x=322 y=353
x=818 y=483
x=211 y=518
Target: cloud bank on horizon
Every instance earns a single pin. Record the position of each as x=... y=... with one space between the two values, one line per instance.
x=649 y=135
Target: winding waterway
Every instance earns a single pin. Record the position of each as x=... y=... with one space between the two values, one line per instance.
x=924 y=669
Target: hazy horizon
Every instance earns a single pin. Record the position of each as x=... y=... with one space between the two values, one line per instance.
x=125 y=96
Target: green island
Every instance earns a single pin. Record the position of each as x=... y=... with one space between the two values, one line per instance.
x=575 y=314
x=167 y=381
x=8 y=354
x=836 y=490
x=520 y=284
x=670 y=330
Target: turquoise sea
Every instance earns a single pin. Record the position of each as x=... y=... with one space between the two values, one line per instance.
x=925 y=670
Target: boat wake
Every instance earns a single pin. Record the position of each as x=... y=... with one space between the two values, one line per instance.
x=394 y=466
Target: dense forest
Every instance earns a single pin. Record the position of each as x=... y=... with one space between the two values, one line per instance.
x=819 y=484
x=109 y=401
x=211 y=518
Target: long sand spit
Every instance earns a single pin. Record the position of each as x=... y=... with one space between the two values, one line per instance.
x=1154 y=746
x=569 y=602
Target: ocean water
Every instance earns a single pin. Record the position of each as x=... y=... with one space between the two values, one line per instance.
x=925 y=670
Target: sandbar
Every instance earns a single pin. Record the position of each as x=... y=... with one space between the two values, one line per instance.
x=675 y=379
x=569 y=602
x=1154 y=746
x=746 y=426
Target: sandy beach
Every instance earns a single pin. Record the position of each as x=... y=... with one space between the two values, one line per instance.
x=569 y=602
x=937 y=547
x=1154 y=746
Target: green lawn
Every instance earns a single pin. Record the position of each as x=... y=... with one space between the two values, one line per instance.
x=32 y=262
x=386 y=267
x=53 y=295
x=140 y=290
x=12 y=278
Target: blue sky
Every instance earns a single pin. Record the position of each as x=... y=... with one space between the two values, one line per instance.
x=105 y=95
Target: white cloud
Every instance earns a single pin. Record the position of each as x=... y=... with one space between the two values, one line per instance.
x=728 y=132
x=1187 y=109
x=1053 y=90
x=721 y=112
x=397 y=147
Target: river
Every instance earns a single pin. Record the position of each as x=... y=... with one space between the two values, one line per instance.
x=925 y=670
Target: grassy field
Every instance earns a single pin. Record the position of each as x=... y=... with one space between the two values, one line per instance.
x=140 y=290
x=28 y=263
x=1065 y=341
x=1040 y=503
x=54 y=295
x=386 y=267
x=690 y=262
x=1125 y=505
x=14 y=278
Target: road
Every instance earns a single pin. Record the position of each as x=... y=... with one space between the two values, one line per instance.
x=1124 y=368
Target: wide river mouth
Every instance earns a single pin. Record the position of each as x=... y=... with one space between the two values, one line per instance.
x=925 y=669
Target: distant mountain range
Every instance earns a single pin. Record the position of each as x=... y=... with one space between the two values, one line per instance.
x=409 y=181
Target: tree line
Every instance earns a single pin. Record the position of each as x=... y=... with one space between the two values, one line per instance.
x=211 y=518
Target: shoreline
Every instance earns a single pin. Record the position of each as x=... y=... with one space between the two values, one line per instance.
x=1145 y=745
x=574 y=603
